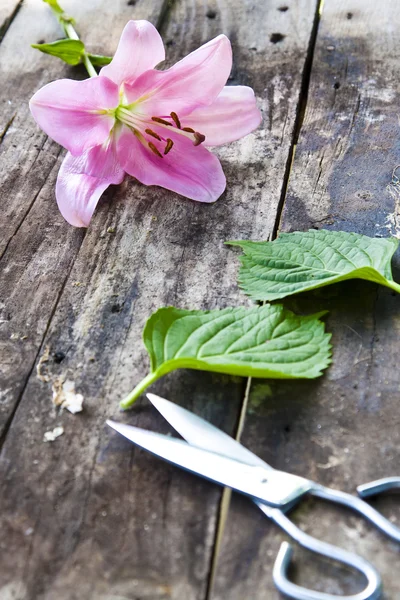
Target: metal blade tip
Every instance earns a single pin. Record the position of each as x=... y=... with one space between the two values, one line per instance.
x=111 y=423
x=120 y=427
x=157 y=400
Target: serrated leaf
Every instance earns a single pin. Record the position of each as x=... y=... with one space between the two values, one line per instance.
x=296 y=262
x=263 y=341
x=70 y=51
x=98 y=60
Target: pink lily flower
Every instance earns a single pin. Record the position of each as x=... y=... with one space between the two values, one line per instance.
x=153 y=125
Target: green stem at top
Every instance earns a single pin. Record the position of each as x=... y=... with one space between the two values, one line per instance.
x=71 y=33
x=66 y=23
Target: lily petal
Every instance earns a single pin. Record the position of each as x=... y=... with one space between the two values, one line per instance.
x=73 y=113
x=230 y=117
x=140 y=49
x=82 y=180
x=189 y=170
x=194 y=81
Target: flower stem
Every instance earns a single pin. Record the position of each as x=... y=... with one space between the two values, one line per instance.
x=66 y=23
x=139 y=389
x=71 y=33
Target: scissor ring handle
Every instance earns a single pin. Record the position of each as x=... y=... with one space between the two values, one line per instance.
x=362 y=507
x=372 y=591
x=387 y=484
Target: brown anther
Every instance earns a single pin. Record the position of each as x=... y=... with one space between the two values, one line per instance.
x=162 y=121
x=176 y=120
x=188 y=129
x=198 y=138
x=168 y=146
x=154 y=149
x=154 y=134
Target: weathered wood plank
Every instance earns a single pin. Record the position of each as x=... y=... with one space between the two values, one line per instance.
x=95 y=518
x=38 y=248
x=342 y=430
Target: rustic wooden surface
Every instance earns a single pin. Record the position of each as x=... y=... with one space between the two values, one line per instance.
x=88 y=516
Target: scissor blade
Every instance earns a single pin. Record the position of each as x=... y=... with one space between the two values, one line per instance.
x=270 y=486
x=202 y=434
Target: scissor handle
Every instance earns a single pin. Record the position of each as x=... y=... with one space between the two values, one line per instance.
x=360 y=506
x=372 y=591
x=387 y=484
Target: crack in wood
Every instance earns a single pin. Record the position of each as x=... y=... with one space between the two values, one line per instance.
x=4 y=27
x=163 y=17
x=301 y=109
x=29 y=208
x=6 y=128
x=7 y=426
x=355 y=113
x=223 y=508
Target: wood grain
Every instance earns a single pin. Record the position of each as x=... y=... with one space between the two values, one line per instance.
x=342 y=430
x=88 y=516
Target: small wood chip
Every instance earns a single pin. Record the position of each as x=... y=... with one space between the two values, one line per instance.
x=53 y=434
x=39 y=368
x=64 y=395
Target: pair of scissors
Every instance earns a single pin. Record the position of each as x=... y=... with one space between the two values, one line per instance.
x=212 y=454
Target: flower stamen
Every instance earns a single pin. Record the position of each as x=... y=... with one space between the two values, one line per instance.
x=153 y=133
x=176 y=120
x=154 y=149
x=196 y=137
x=168 y=146
x=162 y=121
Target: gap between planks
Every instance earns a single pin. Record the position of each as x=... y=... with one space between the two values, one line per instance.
x=41 y=346
x=4 y=26
x=301 y=109
x=224 y=504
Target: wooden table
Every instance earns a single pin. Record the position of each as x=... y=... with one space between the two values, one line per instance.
x=89 y=516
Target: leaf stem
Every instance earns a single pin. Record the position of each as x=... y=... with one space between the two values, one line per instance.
x=393 y=286
x=138 y=390
x=66 y=23
x=71 y=33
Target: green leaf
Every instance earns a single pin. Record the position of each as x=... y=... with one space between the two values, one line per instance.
x=70 y=51
x=99 y=60
x=263 y=341
x=296 y=262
